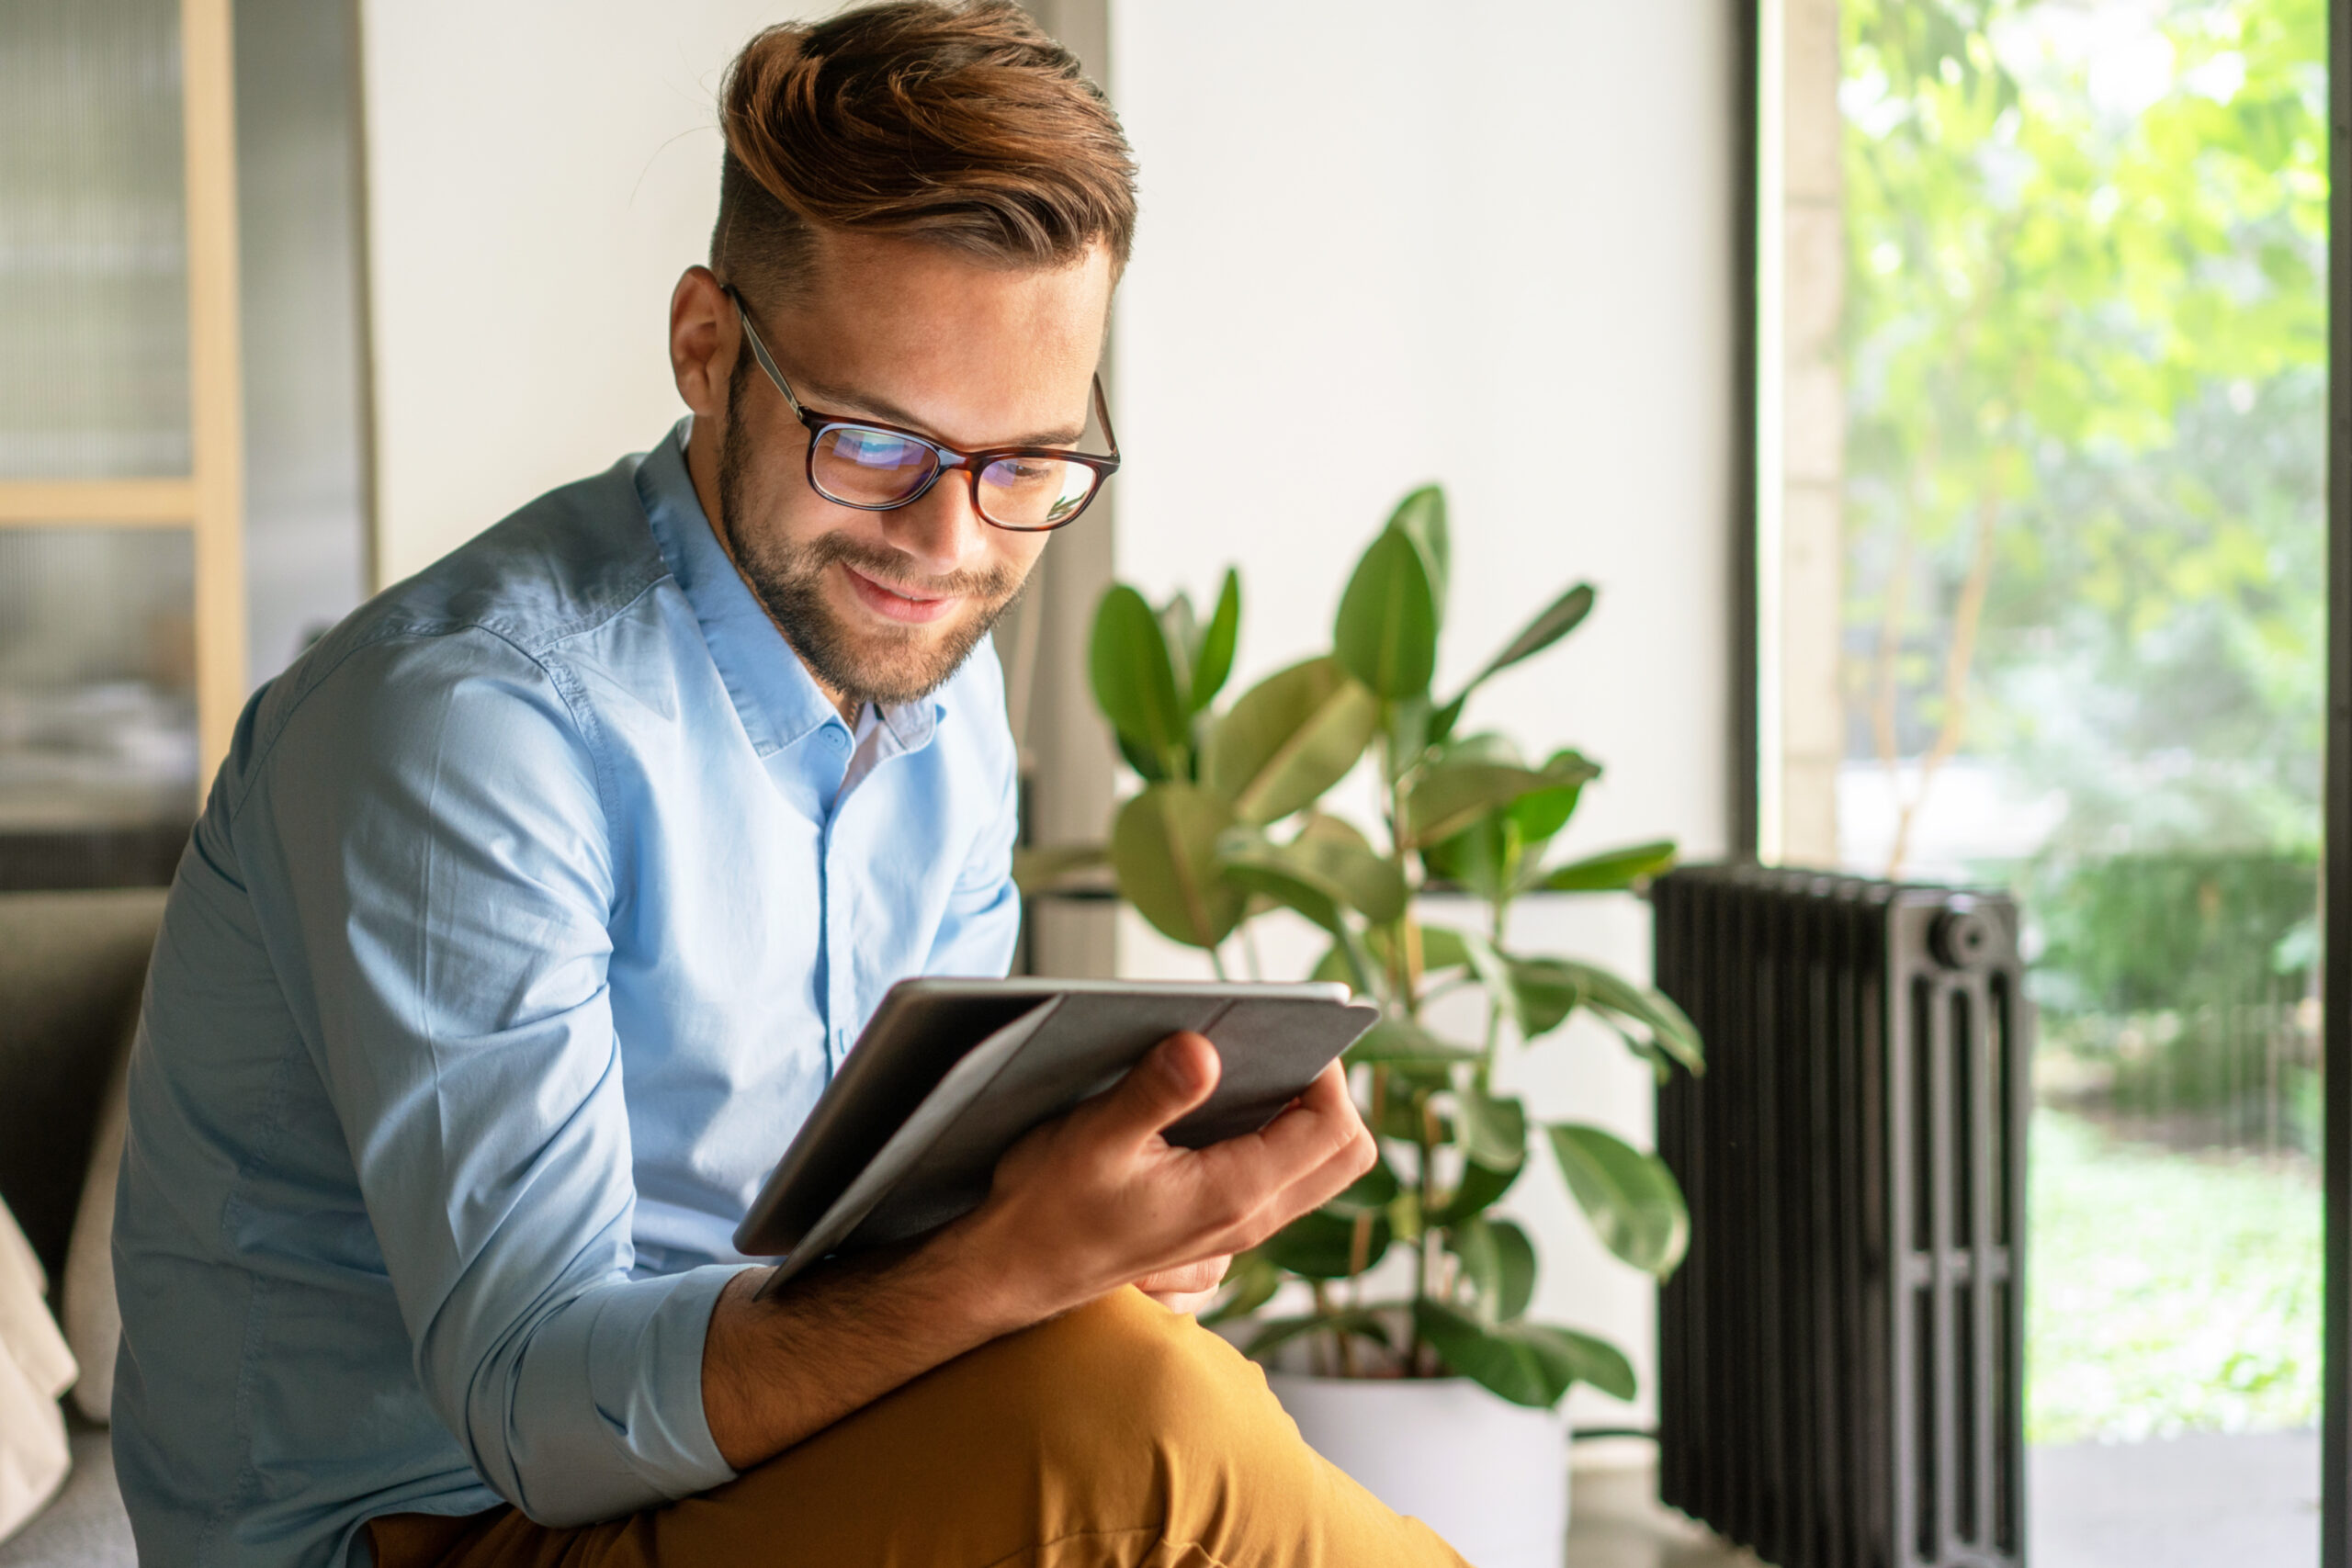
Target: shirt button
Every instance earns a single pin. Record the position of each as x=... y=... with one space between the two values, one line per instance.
x=835 y=738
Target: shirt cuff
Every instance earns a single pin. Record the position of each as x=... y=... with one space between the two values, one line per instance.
x=608 y=1414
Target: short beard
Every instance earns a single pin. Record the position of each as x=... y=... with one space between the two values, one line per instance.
x=886 y=668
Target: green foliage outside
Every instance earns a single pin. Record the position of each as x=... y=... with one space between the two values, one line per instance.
x=2086 y=349
x=2085 y=356
x=2169 y=1292
x=1231 y=823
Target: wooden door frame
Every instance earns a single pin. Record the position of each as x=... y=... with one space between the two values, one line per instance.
x=208 y=501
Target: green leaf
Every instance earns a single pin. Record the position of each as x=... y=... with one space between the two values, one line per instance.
x=1591 y=1361
x=1249 y=1284
x=1348 y=872
x=1039 y=867
x=1371 y=1191
x=1148 y=765
x=1213 y=654
x=1630 y=1197
x=1320 y=1245
x=1479 y=1188
x=1408 y=732
x=1612 y=872
x=1608 y=993
x=1552 y=623
x=1135 y=682
x=1527 y=1363
x=1396 y=1043
x=1555 y=621
x=1501 y=1262
x=1420 y=517
x=1450 y=796
x=1404 y=1216
x=1180 y=631
x=1540 y=815
x=1494 y=1130
x=1364 y=1322
x=1289 y=739
x=1542 y=995
x=1261 y=872
x=1442 y=947
x=1483 y=746
x=1483 y=858
x=1386 y=630
x=1442 y=720
x=1163 y=846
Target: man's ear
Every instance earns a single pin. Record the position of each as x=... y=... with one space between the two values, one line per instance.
x=704 y=336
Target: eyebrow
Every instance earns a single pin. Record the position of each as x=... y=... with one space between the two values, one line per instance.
x=816 y=393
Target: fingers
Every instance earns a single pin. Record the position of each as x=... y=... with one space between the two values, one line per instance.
x=1185 y=1303
x=1325 y=1183
x=1321 y=1124
x=1178 y=1074
x=1186 y=1277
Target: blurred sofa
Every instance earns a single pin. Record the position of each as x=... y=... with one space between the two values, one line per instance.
x=71 y=968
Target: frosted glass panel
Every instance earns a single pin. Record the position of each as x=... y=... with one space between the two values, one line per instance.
x=98 y=678
x=93 y=241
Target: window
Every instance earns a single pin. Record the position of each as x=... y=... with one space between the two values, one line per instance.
x=2042 y=565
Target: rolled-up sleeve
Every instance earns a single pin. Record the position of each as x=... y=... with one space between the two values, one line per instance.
x=440 y=850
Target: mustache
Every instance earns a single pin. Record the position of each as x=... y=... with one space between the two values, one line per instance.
x=889 y=569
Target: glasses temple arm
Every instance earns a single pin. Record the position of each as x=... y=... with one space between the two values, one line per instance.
x=760 y=353
x=1102 y=413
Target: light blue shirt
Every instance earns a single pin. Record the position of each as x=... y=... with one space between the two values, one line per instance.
x=526 y=919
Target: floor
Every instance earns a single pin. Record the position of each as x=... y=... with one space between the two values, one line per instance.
x=1614 y=1519
x=2184 y=1503
x=2180 y=1503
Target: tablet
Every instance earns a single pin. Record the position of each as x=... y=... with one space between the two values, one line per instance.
x=949 y=1074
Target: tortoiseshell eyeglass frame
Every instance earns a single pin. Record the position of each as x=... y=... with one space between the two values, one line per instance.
x=943 y=456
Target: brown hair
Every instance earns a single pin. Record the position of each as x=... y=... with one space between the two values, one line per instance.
x=964 y=125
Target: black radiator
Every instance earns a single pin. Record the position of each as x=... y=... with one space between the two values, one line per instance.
x=1841 y=1381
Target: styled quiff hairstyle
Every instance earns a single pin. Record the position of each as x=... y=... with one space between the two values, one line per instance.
x=961 y=125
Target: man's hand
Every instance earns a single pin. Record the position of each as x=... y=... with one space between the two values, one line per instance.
x=1100 y=1199
x=1083 y=1206
x=1189 y=1289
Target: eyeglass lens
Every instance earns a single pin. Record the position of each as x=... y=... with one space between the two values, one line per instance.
x=860 y=467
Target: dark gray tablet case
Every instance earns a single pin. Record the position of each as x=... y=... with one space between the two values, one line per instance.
x=949 y=1074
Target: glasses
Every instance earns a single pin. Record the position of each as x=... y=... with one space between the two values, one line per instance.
x=875 y=467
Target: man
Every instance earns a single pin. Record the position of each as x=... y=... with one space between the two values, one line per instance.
x=533 y=908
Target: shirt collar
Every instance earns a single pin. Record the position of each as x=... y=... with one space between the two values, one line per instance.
x=777 y=698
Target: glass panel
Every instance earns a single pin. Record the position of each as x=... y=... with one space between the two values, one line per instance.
x=2085 y=621
x=97 y=681
x=298 y=300
x=93 y=241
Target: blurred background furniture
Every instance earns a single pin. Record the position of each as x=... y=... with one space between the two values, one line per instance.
x=72 y=965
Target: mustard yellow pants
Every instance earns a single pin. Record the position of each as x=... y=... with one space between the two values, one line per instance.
x=1121 y=1434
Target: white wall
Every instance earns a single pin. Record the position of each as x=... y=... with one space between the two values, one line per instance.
x=1490 y=244
x=539 y=174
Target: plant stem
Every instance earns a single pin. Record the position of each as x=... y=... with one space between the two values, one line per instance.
x=1216 y=962
x=1424 y=1127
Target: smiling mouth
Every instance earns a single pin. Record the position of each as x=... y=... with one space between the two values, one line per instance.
x=892 y=604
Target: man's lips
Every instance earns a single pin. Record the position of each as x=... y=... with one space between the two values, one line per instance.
x=894 y=606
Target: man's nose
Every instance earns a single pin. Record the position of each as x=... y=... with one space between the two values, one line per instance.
x=941 y=533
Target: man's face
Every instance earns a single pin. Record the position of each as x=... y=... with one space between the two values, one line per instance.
x=883 y=606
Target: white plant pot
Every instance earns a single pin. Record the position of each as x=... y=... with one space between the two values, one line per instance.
x=1489 y=1476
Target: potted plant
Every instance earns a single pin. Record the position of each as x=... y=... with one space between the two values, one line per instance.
x=1408 y=1292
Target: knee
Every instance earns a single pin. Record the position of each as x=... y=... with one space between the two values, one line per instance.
x=1125 y=1373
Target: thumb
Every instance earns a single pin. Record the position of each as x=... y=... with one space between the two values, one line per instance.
x=1178 y=1074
